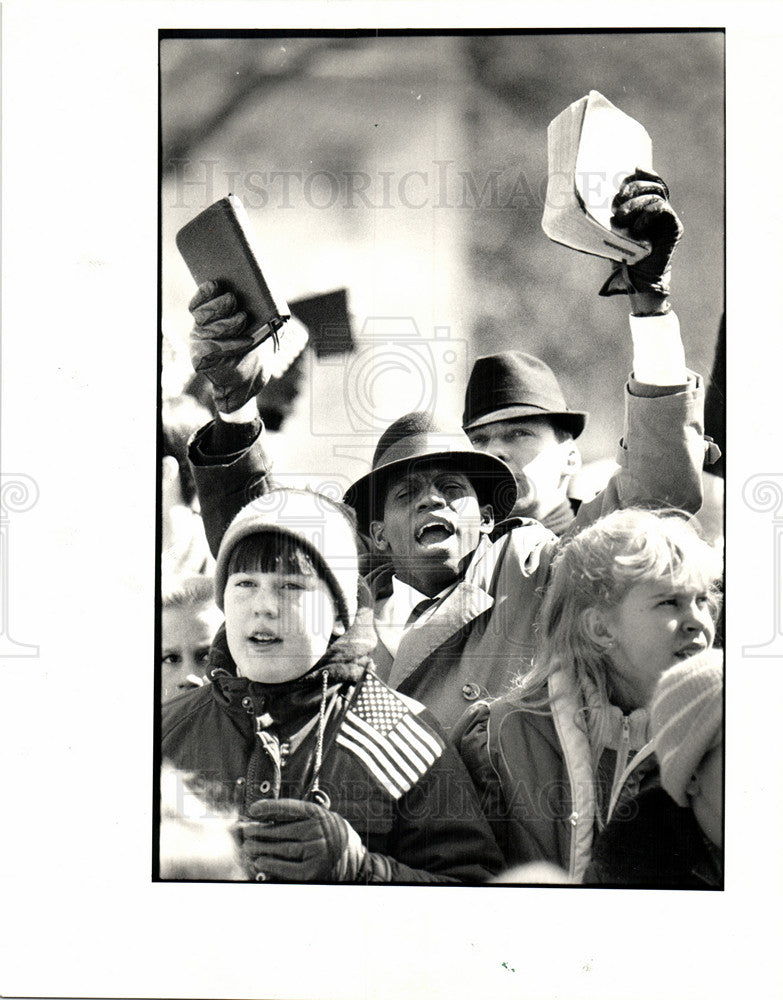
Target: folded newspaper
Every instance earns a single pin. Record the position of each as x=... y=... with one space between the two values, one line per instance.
x=592 y=147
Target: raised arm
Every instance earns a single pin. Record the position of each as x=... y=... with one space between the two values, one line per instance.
x=662 y=450
x=230 y=465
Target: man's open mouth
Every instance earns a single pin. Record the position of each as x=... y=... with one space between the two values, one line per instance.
x=434 y=531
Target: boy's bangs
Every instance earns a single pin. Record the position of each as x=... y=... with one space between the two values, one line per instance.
x=270 y=552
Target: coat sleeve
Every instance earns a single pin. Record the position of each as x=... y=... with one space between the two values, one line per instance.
x=471 y=738
x=439 y=833
x=661 y=453
x=227 y=481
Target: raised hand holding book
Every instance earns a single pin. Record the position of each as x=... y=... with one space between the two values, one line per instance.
x=219 y=245
x=592 y=147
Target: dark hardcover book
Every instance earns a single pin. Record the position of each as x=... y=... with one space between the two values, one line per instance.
x=219 y=245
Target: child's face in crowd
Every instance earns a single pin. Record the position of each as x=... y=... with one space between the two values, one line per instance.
x=278 y=624
x=541 y=464
x=186 y=634
x=654 y=626
x=432 y=523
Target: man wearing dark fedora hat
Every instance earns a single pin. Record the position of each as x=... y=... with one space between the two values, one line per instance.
x=515 y=410
x=456 y=605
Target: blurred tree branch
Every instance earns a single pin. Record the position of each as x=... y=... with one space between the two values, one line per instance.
x=184 y=136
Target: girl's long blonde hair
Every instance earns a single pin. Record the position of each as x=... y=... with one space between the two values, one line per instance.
x=595 y=569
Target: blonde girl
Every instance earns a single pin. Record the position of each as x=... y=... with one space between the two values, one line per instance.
x=566 y=751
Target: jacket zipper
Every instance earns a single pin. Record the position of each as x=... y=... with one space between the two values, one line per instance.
x=271 y=746
x=253 y=765
x=621 y=760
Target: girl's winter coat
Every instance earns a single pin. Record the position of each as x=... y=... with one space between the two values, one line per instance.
x=536 y=779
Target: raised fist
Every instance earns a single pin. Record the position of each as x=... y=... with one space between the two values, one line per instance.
x=641 y=208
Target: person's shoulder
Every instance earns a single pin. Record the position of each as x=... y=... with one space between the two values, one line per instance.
x=471 y=733
x=184 y=707
x=493 y=736
x=512 y=721
x=525 y=540
x=513 y=702
x=485 y=721
x=519 y=527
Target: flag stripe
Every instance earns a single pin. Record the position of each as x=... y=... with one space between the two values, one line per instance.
x=405 y=747
x=414 y=735
x=434 y=744
x=382 y=731
x=371 y=766
x=372 y=734
x=418 y=762
x=372 y=745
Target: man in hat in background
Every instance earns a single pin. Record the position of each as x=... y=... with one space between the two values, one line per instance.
x=515 y=410
x=455 y=609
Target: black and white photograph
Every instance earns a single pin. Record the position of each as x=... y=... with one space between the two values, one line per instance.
x=409 y=273
x=418 y=580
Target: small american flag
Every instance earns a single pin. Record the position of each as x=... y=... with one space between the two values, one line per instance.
x=382 y=730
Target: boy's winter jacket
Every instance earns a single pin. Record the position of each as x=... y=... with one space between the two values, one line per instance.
x=385 y=765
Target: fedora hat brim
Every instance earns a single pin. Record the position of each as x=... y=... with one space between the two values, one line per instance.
x=574 y=420
x=491 y=478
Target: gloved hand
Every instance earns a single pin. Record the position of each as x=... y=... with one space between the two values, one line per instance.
x=236 y=364
x=641 y=208
x=295 y=841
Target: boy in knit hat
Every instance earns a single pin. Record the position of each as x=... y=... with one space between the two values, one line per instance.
x=332 y=776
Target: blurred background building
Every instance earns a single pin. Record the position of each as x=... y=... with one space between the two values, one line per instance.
x=410 y=170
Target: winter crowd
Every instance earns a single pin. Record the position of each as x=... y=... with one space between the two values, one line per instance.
x=457 y=673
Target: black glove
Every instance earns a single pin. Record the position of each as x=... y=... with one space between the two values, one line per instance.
x=294 y=841
x=233 y=361
x=641 y=208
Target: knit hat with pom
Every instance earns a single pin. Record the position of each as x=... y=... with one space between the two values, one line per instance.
x=686 y=716
x=323 y=528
